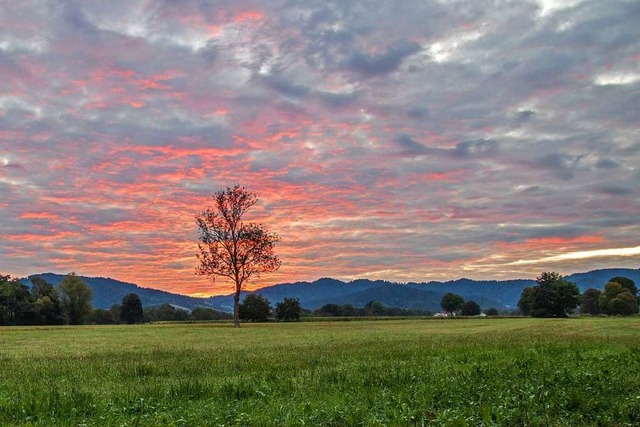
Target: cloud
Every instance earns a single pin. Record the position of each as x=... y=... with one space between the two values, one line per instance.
x=372 y=64
x=615 y=252
x=408 y=140
x=562 y=165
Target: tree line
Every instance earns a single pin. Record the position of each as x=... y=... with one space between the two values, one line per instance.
x=554 y=296
x=42 y=303
x=70 y=304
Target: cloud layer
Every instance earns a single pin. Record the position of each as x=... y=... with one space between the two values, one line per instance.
x=406 y=141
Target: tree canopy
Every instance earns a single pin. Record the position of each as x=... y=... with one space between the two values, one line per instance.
x=470 y=308
x=451 y=302
x=255 y=308
x=618 y=300
x=288 y=309
x=76 y=299
x=231 y=248
x=590 y=302
x=626 y=283
x=553 y=296
x=16 y=302
x=131 y=309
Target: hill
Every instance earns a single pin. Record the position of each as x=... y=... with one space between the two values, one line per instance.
x=313 y=295
x=487 y=293
x=107 y=292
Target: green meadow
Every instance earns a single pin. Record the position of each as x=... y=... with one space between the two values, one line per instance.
x=449 y=372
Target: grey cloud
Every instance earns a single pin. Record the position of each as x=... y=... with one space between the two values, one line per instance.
x=210 y=51
x=482 y=146
x=13 y=166
x=562 y=165
x=607 y=164
x=74 y=20
x=531 y=189
x=265 y=160
x=408 y=145
x=616 y=190
x=285 y=86
x=383 y=63
x=464 y=149
x=525 y=115
x=418 y=112
x=337 y=100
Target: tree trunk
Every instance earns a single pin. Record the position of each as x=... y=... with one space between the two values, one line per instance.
x=236 y=309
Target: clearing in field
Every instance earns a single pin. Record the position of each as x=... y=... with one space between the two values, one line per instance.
x=582 y=371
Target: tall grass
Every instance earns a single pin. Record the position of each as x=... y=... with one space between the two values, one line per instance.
x=536 y=372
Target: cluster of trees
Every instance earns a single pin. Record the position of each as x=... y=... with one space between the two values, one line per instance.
x=453 y=303
x=372 y=308
x=620 y=298
x=256 y=308
x=70 y=303
x=553 y=296
x=42 y=304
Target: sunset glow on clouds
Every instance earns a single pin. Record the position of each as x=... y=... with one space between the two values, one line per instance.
x=406 y=141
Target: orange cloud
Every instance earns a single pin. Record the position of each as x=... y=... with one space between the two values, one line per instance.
x=248 y=15
x=38 y=215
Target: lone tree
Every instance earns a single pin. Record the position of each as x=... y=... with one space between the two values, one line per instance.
x=75 y=296
x=131 y=310
x=231 y=248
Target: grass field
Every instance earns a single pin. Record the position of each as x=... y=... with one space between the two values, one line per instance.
x=583 y=371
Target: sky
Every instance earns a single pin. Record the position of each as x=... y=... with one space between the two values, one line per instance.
x=413 y=140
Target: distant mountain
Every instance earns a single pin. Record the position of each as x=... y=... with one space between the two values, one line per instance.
x=107 y=292
x=502 y=293
x=598 y=278
x=423 y=296
x=313 y=295
x=427 y=295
